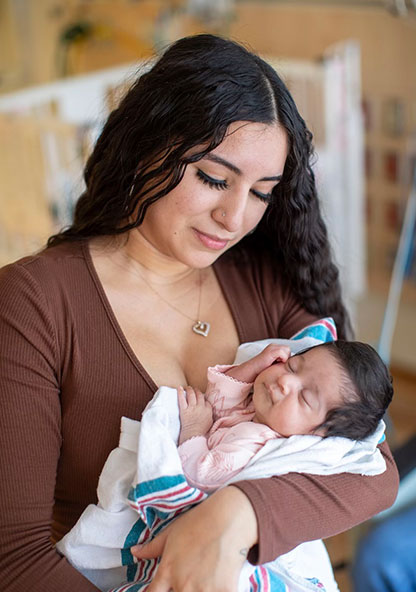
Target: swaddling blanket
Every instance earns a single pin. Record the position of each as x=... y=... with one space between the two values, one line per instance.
x=142 y=488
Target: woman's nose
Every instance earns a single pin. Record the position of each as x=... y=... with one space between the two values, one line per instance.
x=230 y=213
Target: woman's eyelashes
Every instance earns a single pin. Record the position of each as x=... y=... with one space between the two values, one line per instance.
x=222 y=184
x=266 y=197
x=210 y=181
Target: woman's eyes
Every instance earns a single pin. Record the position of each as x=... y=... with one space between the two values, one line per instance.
x=222 y=184
x=210 y=181
x=266 y=197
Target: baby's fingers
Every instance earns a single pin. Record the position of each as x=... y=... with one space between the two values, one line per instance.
x=182 y=402
x=200 y=397
x=279 y=353
x=191 y=396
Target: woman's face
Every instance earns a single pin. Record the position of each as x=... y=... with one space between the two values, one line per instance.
x=220 y=198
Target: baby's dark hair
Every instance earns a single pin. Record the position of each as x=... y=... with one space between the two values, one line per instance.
x=367 y=391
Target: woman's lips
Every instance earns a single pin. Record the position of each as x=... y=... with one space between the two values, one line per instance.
x=212 y=242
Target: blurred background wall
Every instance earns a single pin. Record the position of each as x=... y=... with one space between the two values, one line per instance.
x=96 y=34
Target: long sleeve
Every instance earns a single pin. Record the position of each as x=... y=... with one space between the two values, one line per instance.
x=295 y=508
x=227 y=395
x=30 y=428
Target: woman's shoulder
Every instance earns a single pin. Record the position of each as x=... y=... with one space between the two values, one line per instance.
x=44 y=276
x=48 y=255
x=47 y=263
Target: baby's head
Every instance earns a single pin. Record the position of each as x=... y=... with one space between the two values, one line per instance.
x=340 y=388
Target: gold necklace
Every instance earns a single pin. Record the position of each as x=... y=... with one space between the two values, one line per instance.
x=199 y=327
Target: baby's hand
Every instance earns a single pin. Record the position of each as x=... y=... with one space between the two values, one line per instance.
x=195 y=413
x=248 y=371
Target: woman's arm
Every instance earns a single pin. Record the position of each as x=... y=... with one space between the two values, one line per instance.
x=30 y=436
x=295 y=508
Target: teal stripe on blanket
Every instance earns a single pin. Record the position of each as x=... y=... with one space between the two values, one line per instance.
x=276 y=583
x=317 y=583
x=323 y=330
x=134 y=535
x=131 y=572
x=155 y=486
x=157 y=502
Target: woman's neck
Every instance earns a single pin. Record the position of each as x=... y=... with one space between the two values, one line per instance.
x=155 y=266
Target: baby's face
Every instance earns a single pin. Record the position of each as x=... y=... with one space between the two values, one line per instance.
x=294 y=397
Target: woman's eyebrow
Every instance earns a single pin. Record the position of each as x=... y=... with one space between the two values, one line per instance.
x=235 y=169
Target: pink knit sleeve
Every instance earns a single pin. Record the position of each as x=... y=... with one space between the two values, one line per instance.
x=210 y=462
x=224 y=392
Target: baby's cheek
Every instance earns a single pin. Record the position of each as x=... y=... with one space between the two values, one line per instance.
x=290 y=420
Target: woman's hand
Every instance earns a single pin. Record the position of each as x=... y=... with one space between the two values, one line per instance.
x=195 y=413
x=204 y=550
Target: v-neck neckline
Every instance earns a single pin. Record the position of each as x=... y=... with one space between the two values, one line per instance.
x=217 y=268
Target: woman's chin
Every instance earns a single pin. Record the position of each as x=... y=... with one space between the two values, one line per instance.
x=201 y=260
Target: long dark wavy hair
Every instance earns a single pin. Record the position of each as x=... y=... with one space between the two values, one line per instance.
x=199 y=86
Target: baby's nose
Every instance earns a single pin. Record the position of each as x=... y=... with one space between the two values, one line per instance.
x=288 y=383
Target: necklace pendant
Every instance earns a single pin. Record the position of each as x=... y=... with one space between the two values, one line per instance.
x=201 y=328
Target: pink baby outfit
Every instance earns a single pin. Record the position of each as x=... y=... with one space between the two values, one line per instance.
x=210 y=461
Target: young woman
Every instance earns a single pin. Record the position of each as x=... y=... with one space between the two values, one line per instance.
x=199 y=229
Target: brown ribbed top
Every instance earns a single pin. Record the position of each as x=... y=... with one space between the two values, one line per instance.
x=67 y=375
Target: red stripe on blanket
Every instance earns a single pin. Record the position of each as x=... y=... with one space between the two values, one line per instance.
x=171 y=506
x=167 y=495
